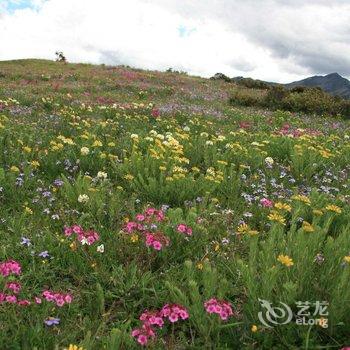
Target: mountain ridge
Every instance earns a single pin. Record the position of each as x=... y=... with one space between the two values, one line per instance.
x=332 y=83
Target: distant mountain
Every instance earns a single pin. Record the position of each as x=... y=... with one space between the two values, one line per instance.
x=332 y=83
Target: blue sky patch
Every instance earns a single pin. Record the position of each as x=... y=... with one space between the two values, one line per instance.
x=185 y=31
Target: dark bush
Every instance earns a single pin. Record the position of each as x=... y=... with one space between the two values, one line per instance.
x=221 y=76
x=252 y=83
x=246 y=97
x=300 y=99
x=298 y=89
x=275 y=96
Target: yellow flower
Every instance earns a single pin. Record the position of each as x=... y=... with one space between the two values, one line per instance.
x=307 y=227
x=254 y=328
x=84 y=151
x=35 y=163
x=199 y=266
x=242 y=228
x=317 y=212
x=283 y=206
x=325 y=154
x=285 y=260
x=14 y=169
x=129 y=177
x=302 y=198
x=74 y=347
x=347 y=259
x=28 y=210
x=26 y=149
x=97 y=143
x=134 y=238
x=334 y=208
x=274 y=216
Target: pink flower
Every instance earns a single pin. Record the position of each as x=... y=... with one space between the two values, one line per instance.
x=24 y=302
x=173 y=312
x=267 y=203
x=143 y=334
x=68 y=298
x=155 y=113
x=11 y=299
x=220 y=307
x=77 y=229
x=59 y=298
x=157 y=240
x=68 y=231
x=14 y=286
x=181 y=228
x=153 y=318
x=130 y=226
x=10 y=267
x=140 y=217
x=2 y=297
x=37 y=300
x=84 y=237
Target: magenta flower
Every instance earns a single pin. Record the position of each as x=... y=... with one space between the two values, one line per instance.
x=267 y=203
x=182 y=228
x=14 y=286
x=174 y=312
x=219 y=307
x=10 y=267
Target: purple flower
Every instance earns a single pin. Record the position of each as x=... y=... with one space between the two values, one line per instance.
x=52 y=321
x=25 y=241
x=58 y=182
x=44 y=254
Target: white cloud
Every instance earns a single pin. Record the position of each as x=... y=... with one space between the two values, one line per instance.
x=272 y=42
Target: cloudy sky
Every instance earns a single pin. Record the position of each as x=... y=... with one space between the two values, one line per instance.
x=275 y=40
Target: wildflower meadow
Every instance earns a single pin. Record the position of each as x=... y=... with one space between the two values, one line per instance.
x=144 y=209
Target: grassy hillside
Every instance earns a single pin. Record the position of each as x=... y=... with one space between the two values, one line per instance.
x=142 y=208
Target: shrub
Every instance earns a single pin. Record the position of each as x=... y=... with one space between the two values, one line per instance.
x=252 y=83
x=246 y=98
x=221 y=76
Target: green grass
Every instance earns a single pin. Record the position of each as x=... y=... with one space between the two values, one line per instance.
x=95 y=146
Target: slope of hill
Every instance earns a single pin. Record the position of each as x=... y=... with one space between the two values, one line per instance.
x=141 y=208
x=332 y=83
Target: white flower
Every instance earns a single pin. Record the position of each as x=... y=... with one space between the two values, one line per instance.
x=134 y=136
x=83 y=198
x=209 y=143
x=102 y=175
x=84 y=241
x=269 y=161
x=186 y=128
x=84 y=151
x=101 y=248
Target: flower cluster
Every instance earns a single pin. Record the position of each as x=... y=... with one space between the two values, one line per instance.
x=84 y=237
x=221 y=307
x=174 y=312
x=10 y=267
x=58 y=298
x=146 y=224
x=156 y=240
x=151 y=319
x=182 y=228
